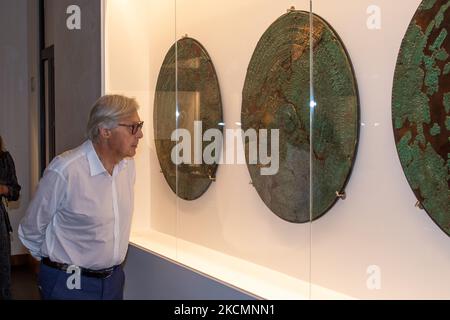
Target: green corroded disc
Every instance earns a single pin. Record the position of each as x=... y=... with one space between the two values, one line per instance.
x=421 y=106
x=276 y=95
x=192 y=83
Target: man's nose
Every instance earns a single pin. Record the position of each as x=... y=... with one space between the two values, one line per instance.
x=140 y=134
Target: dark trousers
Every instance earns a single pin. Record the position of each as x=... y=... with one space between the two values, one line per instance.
x=53 y=285
x=5 y=255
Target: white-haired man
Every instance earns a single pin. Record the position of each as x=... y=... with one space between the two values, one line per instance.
x=78 y=222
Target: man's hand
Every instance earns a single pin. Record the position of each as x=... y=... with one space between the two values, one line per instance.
x=4 y=190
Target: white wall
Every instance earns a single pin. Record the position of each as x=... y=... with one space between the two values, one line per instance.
x=14 y=90
x=377 y=224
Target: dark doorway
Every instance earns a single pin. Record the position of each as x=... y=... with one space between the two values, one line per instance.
x=47 y=95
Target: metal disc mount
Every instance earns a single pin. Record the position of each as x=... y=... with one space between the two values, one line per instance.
x=421 y=106
x=187 y=98
x=277 y=95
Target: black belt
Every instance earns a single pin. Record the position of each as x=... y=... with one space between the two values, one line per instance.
x=101 y=274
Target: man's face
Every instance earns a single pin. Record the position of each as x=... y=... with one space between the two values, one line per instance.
x=122 y=141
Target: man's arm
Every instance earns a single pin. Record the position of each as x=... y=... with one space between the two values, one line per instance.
x=12 y=184
x=45 y=203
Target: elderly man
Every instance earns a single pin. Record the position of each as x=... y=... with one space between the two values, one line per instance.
x=78 y=223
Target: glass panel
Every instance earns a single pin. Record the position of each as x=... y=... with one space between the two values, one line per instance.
x=138 y=36
x=374 y=243
x=247 y=226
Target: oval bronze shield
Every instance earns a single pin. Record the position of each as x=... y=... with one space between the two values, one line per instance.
x=276 y=95
x=421 y=106
x=187 y=98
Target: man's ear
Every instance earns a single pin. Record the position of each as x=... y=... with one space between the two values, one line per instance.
x=104 y=133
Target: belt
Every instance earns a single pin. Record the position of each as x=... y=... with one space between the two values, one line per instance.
x=101 y=274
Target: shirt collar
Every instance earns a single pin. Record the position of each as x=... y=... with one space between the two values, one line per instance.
x=95 y=165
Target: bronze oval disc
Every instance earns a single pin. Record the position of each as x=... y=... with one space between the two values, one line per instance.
x=187 y=97
x=276 y=95
x=421 y=108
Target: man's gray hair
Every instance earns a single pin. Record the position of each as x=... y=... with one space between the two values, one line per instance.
x=107 y=112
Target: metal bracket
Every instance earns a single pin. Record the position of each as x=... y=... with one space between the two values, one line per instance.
x=419 y=205
x=341 y=195
x=211 y=175
x=291 y=9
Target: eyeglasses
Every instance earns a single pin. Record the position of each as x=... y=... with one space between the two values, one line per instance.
x=134 y=127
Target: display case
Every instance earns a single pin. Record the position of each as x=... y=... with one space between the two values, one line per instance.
x=327 y=207
x=379 y=243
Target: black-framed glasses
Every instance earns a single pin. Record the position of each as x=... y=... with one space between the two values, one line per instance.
x=134 y=127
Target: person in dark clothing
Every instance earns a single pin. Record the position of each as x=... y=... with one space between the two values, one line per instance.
x=9 y=191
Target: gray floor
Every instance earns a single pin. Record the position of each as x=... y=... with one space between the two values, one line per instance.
x=24 y=284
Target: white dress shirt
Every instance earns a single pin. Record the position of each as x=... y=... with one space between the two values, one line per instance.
x=80 y=214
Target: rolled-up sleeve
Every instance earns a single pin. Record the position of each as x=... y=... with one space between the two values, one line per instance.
x=48 y=197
